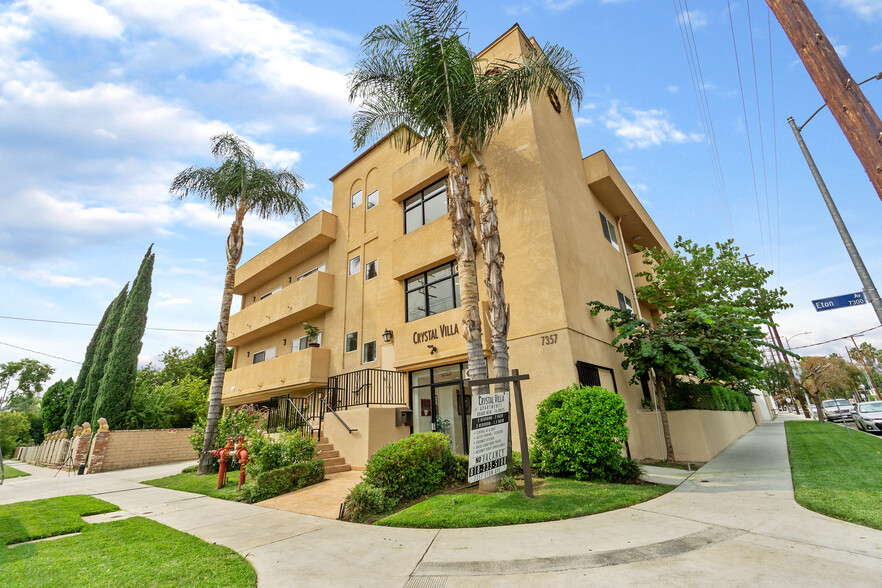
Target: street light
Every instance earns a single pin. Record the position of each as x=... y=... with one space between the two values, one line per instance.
x=787 y=342
x=787 y=339
x=866 y=281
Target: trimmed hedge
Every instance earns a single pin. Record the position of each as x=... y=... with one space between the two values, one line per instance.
x=687 y=395
x=279 y=481
x=410 y=467
x=366 y=501
x=581 y=434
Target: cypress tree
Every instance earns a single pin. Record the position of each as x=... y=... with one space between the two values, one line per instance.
x=87 y=398
x=74 y=399
x=118 y=382
x=54 y=403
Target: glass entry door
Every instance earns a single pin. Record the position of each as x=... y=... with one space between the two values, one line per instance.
x=441 y=404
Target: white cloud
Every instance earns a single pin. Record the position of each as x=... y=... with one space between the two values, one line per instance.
x=584 y=120
x=695 y=18
x=672 y=89
x=866 y=9
x=175 y=302
x=79 y=17
x=842 y=50
x=645 y=128
x=49 y=279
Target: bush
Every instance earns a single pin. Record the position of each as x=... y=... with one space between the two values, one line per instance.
x=287 y=449
x=190 y=469
x=458 y=469
x=507 y=484
x=688 y=395
x=517 y=463
x=366 y=501
x=14 y=431
x=410 y=467
x=581 y=433
x=271 y=483
x=244 y=420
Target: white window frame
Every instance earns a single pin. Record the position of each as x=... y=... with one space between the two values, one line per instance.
x=609 y=231
x=319 y=268
x=364 y=349
x=622 y=297
x=357 y=260
x=346 y=343
x=268 y=353
x=270 y=293
x=372 y=199
x=376 y=265
x=355 y=200
x=303 y=342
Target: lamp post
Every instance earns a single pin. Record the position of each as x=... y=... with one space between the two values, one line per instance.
x=866 y=281
x=807 y=400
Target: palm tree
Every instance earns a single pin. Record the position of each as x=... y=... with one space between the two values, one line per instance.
x=418 y=74
x=242 y=185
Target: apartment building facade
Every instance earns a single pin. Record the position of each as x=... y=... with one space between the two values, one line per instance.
x=377 y=277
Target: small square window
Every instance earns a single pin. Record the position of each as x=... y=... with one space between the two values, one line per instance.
x=370 y=352
x=624 y=302
x=268 y=294
x=263 y=355
x=303 y=343
x=370 y=270
x=609 y=231
x=355 y=265
x=373 y=199
x=355 y=199
x=351 y=342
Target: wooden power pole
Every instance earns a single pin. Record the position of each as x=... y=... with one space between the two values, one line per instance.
x=841 y=93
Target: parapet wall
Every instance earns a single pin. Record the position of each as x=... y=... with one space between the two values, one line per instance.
x=134 y=449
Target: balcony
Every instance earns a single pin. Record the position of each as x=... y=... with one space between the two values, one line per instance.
x=300 y=244
x=292 y=305
x=421 y=249
x=292 y=372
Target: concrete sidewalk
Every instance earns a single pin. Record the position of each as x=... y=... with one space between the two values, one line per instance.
x=734 y=522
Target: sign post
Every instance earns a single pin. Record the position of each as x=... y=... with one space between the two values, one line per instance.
x=854 y=299
x=488 y=437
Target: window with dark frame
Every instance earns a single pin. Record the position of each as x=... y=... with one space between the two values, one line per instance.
x=432 y=292
x=609 y=231
x=264 y=355
x=624 y=302
x=425 y=206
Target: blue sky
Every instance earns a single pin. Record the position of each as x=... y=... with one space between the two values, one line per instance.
x=103 y=102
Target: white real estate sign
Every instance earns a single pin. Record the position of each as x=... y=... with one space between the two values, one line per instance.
x=488 y=437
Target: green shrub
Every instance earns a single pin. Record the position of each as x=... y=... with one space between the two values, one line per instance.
x=458 y=469
x=410 y=467
x=14 y=431
x=581 y=434
x=245 y=420
x=271 y=454
x=190 y=469
x=271 y=483
x=517 y=463
x=507 y=484
x=366 y=501
x=688 y=395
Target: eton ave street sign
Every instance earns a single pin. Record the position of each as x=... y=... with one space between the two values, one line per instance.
x=843 y=301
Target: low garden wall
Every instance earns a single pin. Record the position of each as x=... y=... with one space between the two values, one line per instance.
x=697 y=435
x=376 y=428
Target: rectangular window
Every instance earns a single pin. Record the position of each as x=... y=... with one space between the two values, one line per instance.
x=303 y=343
x=425 y=206
x=373 y=199
x=609 y=231
x=370 y=352
x=370 y=270
x=624 y=302
x=351 y=342
x=355 y=265
x=432 y=292
x=320 y=268
x=268 y=294
x=355 y=199
x=263 y=355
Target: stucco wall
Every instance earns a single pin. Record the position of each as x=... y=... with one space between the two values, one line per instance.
x=697 y=435
x=134 y=449
x=376 y=428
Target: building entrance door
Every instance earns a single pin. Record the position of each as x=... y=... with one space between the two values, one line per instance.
x=441 y=404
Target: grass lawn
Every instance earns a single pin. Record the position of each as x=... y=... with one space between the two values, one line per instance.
x=10 y=472
x=207 y=485
x=835 y=472
x=556 y=498
x=131 y=552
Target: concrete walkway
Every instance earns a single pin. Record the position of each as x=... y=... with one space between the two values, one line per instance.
x=734 y=522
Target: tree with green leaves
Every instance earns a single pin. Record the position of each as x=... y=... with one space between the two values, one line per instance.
x=827 y=377
x=54 y=404
x=21 y=384
x=712 y=306
x=118 y=381
x=89 y=395
x=242 y=185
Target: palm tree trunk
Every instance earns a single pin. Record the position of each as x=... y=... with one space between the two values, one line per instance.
x=235 y=242
x=666 y=381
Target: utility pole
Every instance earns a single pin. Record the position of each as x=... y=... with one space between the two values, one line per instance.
x=856 y=117
x=866 y=369
x=777 y=338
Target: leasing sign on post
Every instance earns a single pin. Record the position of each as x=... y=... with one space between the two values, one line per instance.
x=488 y=437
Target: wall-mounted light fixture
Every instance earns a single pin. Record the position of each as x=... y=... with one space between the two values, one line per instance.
x=284 y=341
x=387 y=335
x=248 y=354
x=433 y=349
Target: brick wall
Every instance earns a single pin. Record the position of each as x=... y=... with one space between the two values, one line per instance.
x=119 y=450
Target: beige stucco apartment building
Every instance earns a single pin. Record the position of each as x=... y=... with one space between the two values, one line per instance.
x=382 y=263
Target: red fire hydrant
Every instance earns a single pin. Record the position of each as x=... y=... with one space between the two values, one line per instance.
x=242 y=458
x=223 y=457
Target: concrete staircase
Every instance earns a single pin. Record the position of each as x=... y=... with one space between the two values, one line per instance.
x=333 y=462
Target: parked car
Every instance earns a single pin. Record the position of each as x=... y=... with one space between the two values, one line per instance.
x=868 y=417
x=839 y=409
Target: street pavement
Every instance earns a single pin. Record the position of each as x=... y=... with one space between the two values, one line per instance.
x=733 y=522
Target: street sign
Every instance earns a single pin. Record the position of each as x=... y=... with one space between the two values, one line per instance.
x=843 y=301
x=488 y=437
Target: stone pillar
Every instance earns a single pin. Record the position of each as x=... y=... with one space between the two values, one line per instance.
x=99 y=447
x=81 y=453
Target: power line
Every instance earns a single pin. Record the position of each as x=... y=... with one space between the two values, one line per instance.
x=41 y=353
x=774 y=138
x=33 y=320
x=838 y=338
